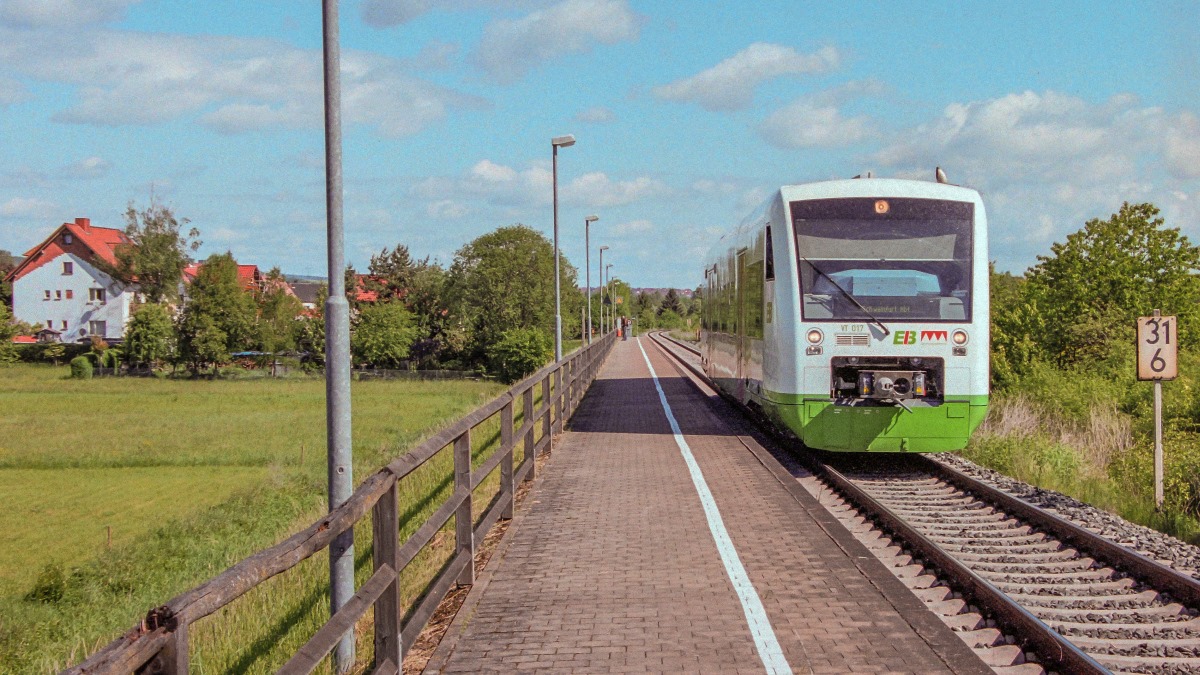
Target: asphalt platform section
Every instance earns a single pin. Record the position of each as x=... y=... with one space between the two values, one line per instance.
x=611 y=565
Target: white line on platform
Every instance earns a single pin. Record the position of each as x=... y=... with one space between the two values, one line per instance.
x=756 y=615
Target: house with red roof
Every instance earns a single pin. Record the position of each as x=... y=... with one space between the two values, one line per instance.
x=60 y=287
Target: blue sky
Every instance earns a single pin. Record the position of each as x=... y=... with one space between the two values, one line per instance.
x=686 y=113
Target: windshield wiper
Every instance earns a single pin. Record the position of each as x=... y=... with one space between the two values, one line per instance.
x=850 y=297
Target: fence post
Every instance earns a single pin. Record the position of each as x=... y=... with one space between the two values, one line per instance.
x=385 y=536
x=530 y=419
x=464 y=526
x=559 y=399
x=509 y=448
x=546 y=412
x=172 y=659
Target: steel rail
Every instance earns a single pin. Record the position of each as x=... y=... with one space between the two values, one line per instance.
x=1051 y=648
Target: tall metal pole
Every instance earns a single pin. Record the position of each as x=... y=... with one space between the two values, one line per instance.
x=557 y=299
x=587 y=272
x=601 y=280
x=612 y=308
x=337 y=340
x=587 y=266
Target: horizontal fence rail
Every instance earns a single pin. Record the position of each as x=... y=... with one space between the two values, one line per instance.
x=159 y=643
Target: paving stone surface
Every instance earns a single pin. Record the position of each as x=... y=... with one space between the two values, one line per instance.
x=612 y=567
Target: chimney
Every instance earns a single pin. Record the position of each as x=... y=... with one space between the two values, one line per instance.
x=85 y=223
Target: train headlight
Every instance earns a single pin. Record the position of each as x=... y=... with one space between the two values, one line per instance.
x=960 y=337
x=918 y=381
x=815 y=336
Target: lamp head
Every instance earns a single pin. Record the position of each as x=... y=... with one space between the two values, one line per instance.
x=603 y=248
x=563 y=141
x=591 y=219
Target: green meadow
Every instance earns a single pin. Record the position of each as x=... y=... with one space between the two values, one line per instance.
x=123 y=492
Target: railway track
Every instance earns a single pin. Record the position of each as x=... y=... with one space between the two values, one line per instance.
x=1028 y=590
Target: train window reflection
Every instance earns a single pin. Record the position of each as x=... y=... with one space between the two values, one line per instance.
x=918 y=270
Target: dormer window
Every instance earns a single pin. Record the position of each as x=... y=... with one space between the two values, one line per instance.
x=68 y=267
x=67 y=238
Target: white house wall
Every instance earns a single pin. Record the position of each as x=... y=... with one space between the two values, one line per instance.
x=30 y=305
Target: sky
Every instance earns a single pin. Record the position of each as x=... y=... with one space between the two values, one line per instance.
x=686 y=114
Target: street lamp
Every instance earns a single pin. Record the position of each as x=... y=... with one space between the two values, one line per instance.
x=601 y=270
x=587 y=266
x=556 y=143
x=612 y=309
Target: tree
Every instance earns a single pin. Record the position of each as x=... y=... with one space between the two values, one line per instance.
x=201 y=341
x=391 y=272
x=277 y=312
x=1095 y=284
x=503 y=281
x=216 y=305
x=8 y=352
x=310 y=331
x=8 y=262
x=518 y=353
x=150 y=336
x=383 y=334
x=156 y=254
x=671 y=303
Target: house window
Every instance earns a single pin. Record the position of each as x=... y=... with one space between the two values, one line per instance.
x=96 y=295
x=70 y=294
x=64 y=324
x=68 y=268
x=67 y=238
x=47 y=296
x=58 y=295
x=96 y=328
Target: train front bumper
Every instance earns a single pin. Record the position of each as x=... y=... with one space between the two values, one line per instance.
x=922 y=428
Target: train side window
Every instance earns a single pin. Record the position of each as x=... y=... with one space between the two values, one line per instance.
x=769 y=257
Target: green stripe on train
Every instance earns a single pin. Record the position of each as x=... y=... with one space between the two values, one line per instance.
x=821 y=424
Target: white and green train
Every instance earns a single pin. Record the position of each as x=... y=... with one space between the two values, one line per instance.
x=855 y=314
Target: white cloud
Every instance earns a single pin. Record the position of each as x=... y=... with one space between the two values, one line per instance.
x=28 y=207
x=633 y=227
x=447 y=209
x=510 y=48
x=60 y=13
x=12 y=91
x=385 y=13
x=435 y=56
x=803 y=124
x=236 y=84
x=89 y=167
x=598 y=190
x=1047 y=162
x=597 y=115
x=730 y=84
x=1183 y=146
x=501 y=185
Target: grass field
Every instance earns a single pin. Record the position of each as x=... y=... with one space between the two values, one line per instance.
x=191 y=476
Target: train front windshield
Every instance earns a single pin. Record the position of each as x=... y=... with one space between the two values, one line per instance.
x=864 y=259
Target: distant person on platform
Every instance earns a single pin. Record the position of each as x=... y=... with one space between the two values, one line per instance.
x=625 y=324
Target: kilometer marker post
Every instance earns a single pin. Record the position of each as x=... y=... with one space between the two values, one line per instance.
x=1157 y=340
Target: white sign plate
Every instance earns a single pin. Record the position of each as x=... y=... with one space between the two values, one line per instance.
x=1156 y=347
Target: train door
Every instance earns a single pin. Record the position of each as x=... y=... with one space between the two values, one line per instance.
x=742 y=337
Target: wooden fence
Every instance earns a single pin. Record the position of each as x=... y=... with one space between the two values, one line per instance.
x=159 y=644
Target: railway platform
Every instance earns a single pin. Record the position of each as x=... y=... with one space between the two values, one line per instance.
x=660 y=538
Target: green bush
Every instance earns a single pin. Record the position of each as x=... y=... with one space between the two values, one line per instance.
x=519 y=352
x=81 y=368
